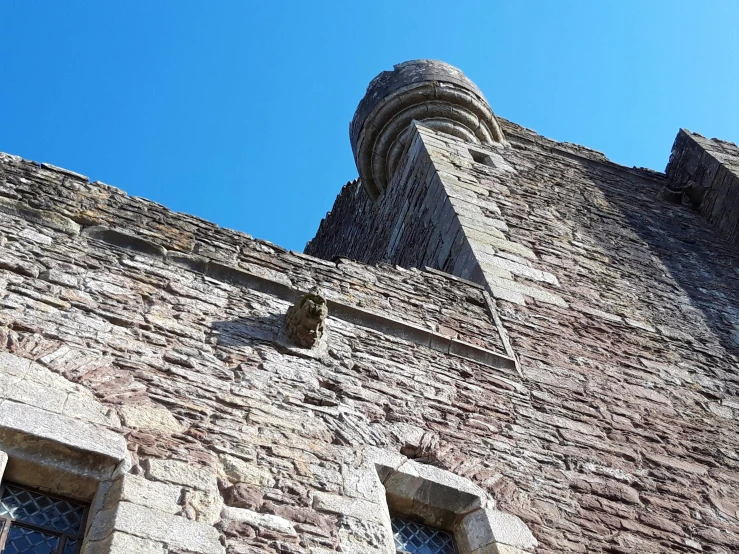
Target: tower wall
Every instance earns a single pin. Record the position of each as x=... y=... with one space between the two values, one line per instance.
x=580 y=396
x=706 y=174
x=621 y=307
x=415 y=225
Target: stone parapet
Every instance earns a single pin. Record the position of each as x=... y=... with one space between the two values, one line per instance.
x=705 y=173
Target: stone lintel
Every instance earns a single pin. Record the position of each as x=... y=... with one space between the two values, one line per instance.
x=25 y=430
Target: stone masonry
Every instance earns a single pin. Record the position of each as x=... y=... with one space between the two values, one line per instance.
x=621 y=307
x=535 y=347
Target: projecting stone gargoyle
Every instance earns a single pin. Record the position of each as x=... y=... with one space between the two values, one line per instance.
x=304 y=322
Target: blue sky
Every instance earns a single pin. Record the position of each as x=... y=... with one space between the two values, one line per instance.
x=238 y=111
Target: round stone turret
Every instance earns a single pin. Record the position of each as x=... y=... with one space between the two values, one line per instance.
x=432 y=92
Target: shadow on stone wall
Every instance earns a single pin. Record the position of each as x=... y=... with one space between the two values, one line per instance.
x=244 y=331
x=698 y=292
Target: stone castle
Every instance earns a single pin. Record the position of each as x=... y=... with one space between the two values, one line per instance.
x=495 y=344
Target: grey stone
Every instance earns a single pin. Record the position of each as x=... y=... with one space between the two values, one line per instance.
x=34 y=394
x=180 y=473
x=488 y=526
x=152 y=525
x=34 y=236
x=13 y=365
x=151 y=418
x=255 y=519
x=500 y=288
x=122 y=543
x=152 y=494
x=240 y=471
x=343 y=505
x=36 y=423
x=85 y=406
x=362 y=536
x=46 y=218
x=207 y=505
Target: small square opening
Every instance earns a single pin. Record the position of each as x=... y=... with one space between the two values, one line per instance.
x=481 y=158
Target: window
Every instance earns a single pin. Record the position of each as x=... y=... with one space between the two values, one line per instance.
x=32 y=522
x=412 y=508
x=481 y=158
x=415 y=538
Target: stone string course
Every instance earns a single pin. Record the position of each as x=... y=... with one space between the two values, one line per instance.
x=623 y=310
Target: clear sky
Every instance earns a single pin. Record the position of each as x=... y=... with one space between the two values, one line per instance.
x=238 y=111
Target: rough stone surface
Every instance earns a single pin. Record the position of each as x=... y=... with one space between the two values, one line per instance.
x=155 y=526
x=180 y=473
x=153 y=494
x=150 y=418
x=257 y=520
x=34 y=424
x=240 y=471
x=485 y=527
x=352 y=507
x=122 y=543
x=705 y=174
x=614 y=431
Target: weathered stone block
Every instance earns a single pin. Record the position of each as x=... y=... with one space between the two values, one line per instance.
x=180 y=473
x=240 y=471
x=486 y=527
x=257 y=520
x=123 y=543
x=150 y=418
x=153 y=525
x=35 y=423
x=352 y=507
x=152 y=494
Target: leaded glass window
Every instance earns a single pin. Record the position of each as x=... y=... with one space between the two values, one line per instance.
x=32 y=522
x=415 y=538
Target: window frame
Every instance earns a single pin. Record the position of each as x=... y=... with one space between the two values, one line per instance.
x=8 y=522
x=441 y=499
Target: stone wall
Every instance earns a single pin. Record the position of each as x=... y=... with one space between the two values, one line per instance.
x=705 y=173
x=623 y=310
x=235 y=436
x=594 y=398
x=414 y=226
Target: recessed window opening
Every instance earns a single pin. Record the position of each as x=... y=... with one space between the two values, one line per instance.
x=32 y=522
x=416 y=538
x=481 y=158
